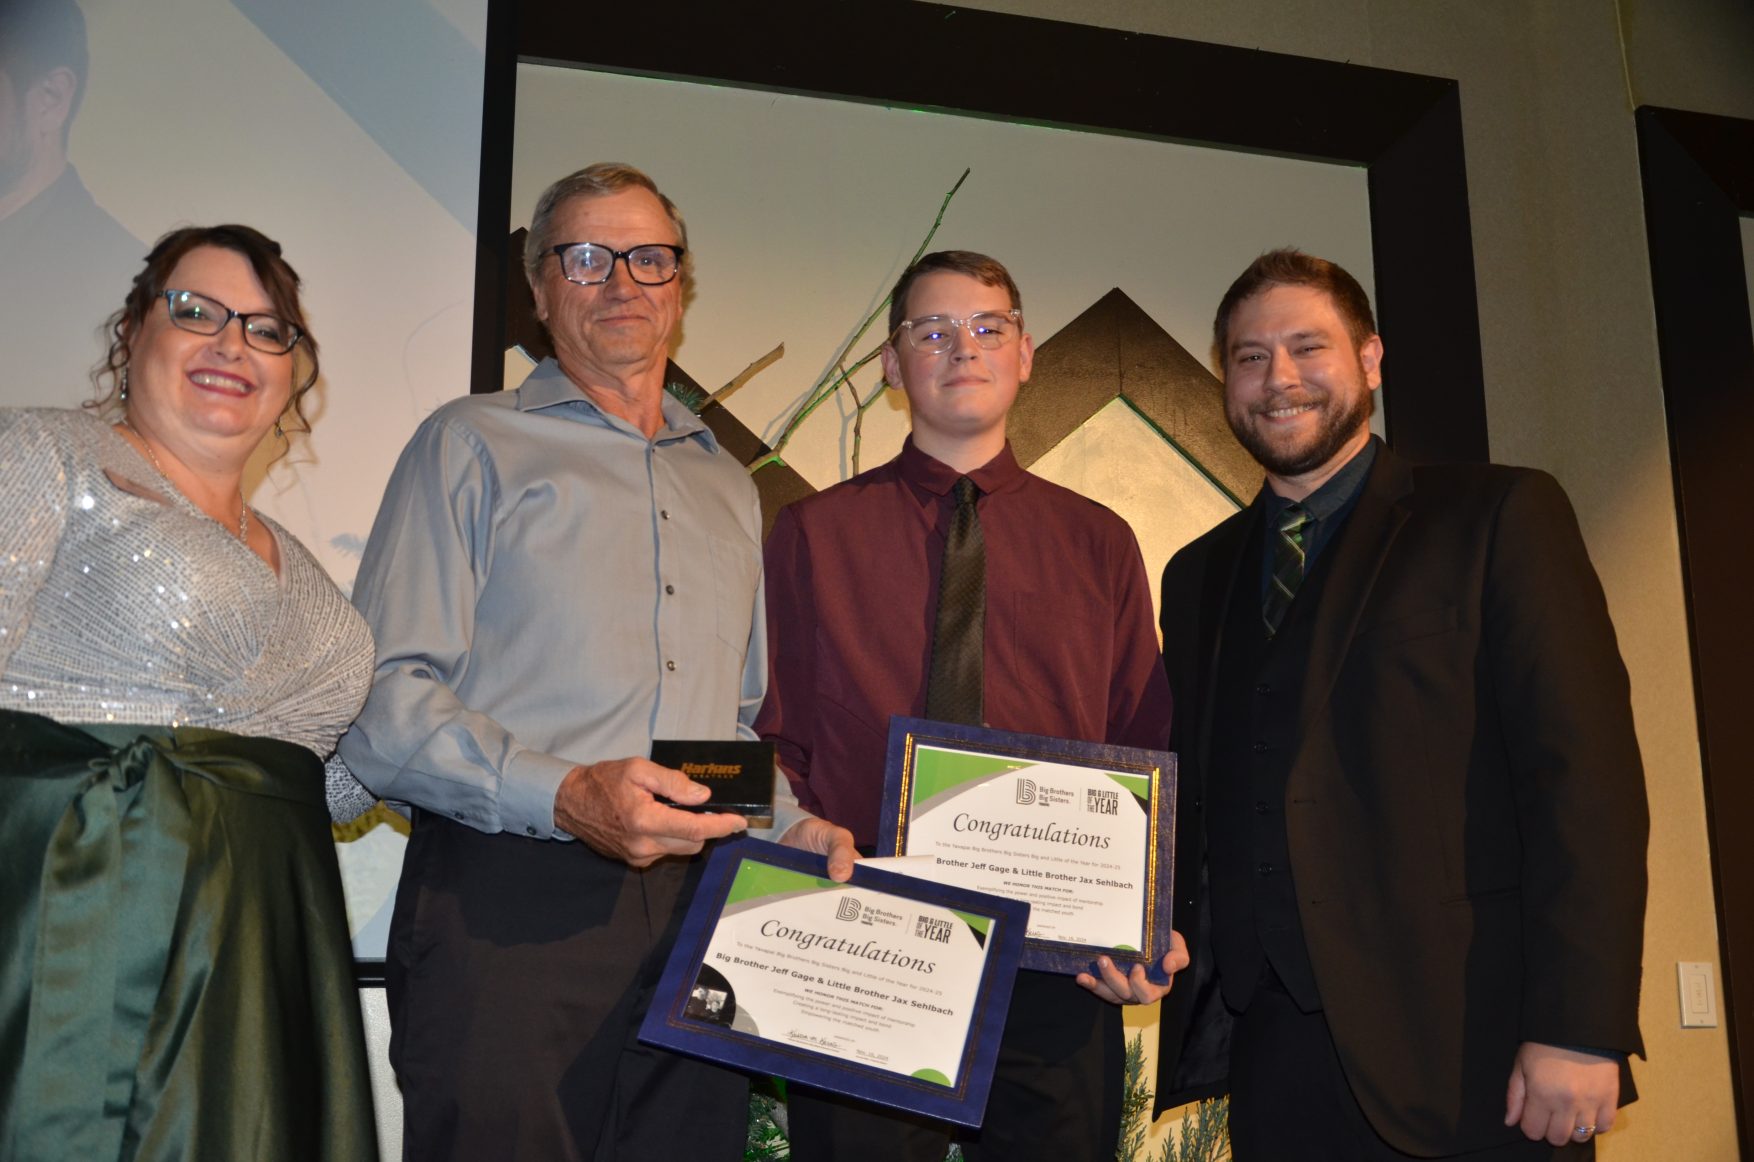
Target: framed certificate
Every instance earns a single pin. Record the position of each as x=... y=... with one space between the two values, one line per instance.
x=1083 y=832
x=887 y=988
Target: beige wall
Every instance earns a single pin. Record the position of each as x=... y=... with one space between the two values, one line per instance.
x=1548 y=90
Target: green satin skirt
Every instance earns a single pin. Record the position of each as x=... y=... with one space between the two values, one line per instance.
x=175 y=975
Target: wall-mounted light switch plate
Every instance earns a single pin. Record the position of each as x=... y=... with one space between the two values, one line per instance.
x=1698 y=995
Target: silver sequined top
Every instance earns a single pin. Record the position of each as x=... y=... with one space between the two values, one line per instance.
x=120 y=601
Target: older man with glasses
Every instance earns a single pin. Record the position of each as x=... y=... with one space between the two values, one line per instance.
x=951 y=584
x=558 y=575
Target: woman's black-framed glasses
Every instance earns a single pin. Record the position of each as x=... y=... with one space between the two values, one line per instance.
x=590 y=263
x=205 y=316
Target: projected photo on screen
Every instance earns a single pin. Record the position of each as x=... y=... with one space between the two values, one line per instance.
x=65 y=261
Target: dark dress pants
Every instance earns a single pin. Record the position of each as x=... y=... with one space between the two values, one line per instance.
x=1290 y=1100
x=518 y=973
x=1056 y=1093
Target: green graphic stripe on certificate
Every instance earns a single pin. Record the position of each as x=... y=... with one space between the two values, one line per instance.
x=1138 y=786
x=936 y=771
x=755 y=880
x=981 y=924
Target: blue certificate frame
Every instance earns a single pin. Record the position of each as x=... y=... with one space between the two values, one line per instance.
x=689 y=1014
x=1152 y=770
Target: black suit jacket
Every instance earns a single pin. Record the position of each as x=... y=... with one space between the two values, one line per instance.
x=1465 y=810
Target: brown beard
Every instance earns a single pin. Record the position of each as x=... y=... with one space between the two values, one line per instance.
x=1337 y=428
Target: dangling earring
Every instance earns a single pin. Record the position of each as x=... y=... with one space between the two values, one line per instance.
x=278 y=434
x=122 y=392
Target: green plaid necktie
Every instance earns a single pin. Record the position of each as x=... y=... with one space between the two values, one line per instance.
x=954 y=689
x=1288 y=559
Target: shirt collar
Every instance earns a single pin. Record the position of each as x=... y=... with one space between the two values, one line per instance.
x=1336 y=491
x=548 y=387
x=926 y=471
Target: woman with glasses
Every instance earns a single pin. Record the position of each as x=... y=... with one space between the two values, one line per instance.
x=175 y=975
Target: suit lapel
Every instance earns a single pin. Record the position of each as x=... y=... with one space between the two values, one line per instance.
x=1354 y=566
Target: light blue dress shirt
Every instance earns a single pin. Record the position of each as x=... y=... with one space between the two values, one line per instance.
x=548 y=587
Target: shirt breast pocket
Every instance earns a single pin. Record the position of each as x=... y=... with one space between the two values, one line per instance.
x=736 y=573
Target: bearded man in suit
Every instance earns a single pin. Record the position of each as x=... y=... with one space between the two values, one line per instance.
x=1411 y=801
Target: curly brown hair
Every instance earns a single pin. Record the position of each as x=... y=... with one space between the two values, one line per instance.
x=272 y=271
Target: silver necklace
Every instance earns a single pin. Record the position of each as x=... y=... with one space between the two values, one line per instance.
x=243 y=508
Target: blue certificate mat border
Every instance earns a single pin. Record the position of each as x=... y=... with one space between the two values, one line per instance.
x=1157 y=765
x=666 y=1025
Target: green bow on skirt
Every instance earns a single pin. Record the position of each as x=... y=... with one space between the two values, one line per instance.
x=176 y=980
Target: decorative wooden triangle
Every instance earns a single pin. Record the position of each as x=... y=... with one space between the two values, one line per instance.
x=1114 y=349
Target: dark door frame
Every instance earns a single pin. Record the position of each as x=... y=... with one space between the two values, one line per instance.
x=1698 y=173
x=1404 y=129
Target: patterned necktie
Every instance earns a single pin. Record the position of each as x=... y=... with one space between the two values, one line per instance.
x=953 y=691
x=1288 y=558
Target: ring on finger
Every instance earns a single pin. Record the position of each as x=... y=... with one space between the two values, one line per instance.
x=1583 y=1132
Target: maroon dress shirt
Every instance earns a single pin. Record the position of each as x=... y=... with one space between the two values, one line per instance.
x=1070 y=645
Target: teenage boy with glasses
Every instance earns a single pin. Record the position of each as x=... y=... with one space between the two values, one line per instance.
x=1054 y=637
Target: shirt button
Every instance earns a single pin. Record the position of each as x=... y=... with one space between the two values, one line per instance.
x=530 y=831
x=669 y=665
x=664 y=513
x=1259 y=747
x=1263 y=688
x=1266 y=869
x=1261 y=807
x=457 y=815
x=670 y=589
